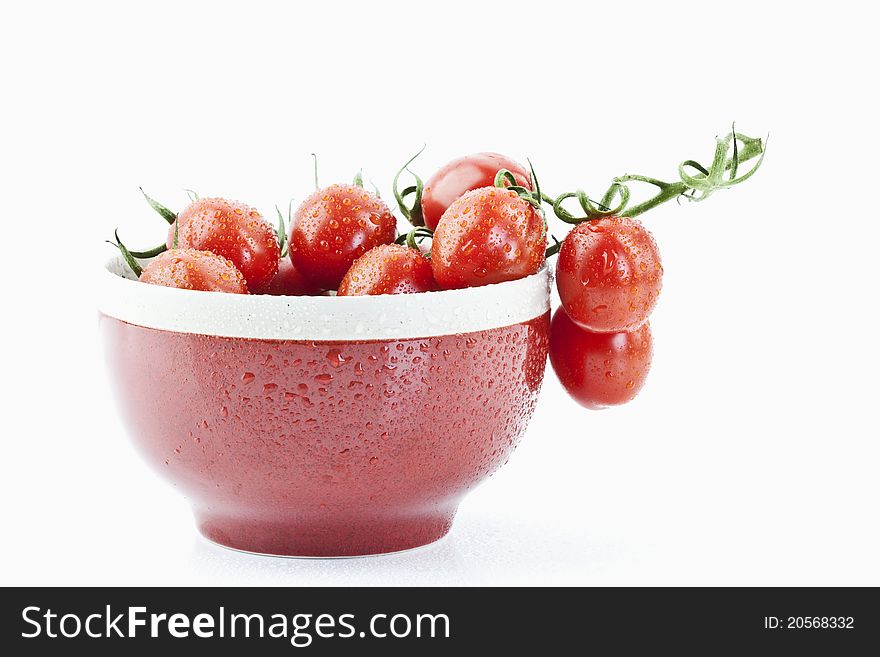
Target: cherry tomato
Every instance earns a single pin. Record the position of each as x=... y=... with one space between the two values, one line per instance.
x=599 y=369
x=609 y=274
x=289 y=282
x=333 y=228
x=190 y=269
x=489 y=235
x=233 y=230
x=462 y=175
x=388 y=269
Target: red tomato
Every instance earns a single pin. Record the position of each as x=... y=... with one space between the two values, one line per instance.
x=463 y=175
x=190 y=269
x=233 y=230
x=289 y=282
x=599 y=369
x=609 y=274
x=333 y=228
x=388 y=269
x=489 y=235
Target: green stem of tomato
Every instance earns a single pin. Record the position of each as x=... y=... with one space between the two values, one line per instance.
x=315 y=158
x=667 y=191
x=413 y=214
x=751 y=150
x=161 y=210
x=696 y=181
x=126 y=255
x=151 y=253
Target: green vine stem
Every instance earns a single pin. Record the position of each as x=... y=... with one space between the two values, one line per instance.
x=127 y=255
x=281 y=230
x=412 y=213
x=553 y=249
x=150 y=253
x=591 y=209
x=315 y=158
x=696 y=182
x=414 y=238
x=506 y=180
x=163 y=212
x=168 y=215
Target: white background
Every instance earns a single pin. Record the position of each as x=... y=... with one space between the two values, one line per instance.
x=751 y=457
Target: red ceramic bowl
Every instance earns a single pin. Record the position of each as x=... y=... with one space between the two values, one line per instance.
x=325 y=426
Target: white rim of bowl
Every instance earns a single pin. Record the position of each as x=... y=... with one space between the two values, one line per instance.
x=321 y=318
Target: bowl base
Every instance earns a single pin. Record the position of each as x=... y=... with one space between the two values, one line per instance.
x=313 y=540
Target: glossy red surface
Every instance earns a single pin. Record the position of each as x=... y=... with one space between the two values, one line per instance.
x=599 y=369
x=232 y=230
x=334 y=227
x=289 y=281
x=487 y=236
x=189 y=269
x=608 y=274
x=463 y=174
x=388 y=269
x=326 y=448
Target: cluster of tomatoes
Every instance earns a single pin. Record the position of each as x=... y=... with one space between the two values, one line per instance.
x=608 y=275
x=478 y=220
x=343 y=238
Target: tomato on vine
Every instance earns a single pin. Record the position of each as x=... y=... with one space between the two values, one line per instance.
x=599 y=369
x=608 y=274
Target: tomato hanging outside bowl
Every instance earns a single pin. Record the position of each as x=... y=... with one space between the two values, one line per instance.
x=325 y=426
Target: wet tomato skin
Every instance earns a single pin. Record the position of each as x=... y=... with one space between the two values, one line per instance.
x=232 y=230
x=334 y=227
x=290 y=282
x=191 y=269
x=388 y=269
x=599 y=369
x=609 y=274
x=489 y=235
x=462 y=175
